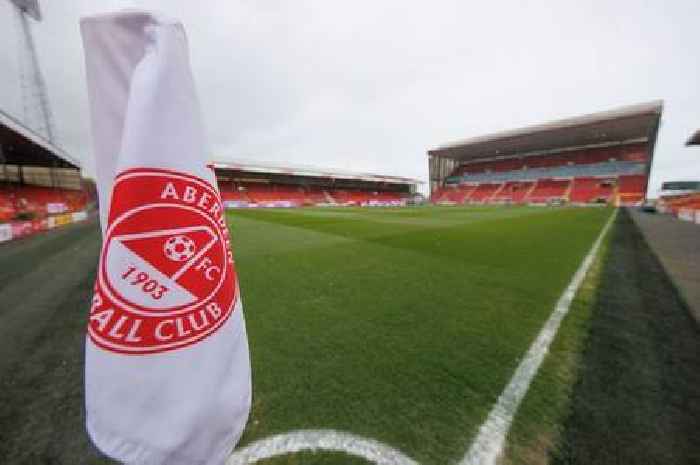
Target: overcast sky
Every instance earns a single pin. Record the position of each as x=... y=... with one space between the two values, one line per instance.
x=371 y=85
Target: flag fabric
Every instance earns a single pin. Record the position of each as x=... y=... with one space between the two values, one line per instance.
x=167 y=370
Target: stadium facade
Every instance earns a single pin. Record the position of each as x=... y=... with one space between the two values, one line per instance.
x=40 y=184
x=601 y=158
x=682 y=198
x=253 y=184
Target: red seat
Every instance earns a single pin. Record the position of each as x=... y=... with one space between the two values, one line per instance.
x=548 y=189
x=586 y=190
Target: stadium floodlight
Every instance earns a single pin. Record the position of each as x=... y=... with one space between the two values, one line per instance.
x=29 y=8
x=35 y=100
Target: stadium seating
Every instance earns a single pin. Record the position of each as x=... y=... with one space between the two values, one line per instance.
x=271 y=194
x=484 y=192
x=38 y=201
x=359 y=197
x=587 y=190
x=315 y=195
x=629 y=153
x=614 y=168
x=614 y=174
x=7 y=208
x=441 y=195
x=685 y=201
x=263 y=193
x=234 y=195
x=547 y=190
x=631 y=189
x=454 y=194
x=350 y=196
x=513 y=192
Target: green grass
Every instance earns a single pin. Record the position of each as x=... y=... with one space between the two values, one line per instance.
x=620 y=384
x=537 y=427
x=398 y=325
x=401 y=325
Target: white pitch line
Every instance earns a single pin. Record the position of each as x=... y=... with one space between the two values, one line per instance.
x=488 y=444
x=313 y=440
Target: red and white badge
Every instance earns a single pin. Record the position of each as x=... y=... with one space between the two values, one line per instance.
x=166 y=276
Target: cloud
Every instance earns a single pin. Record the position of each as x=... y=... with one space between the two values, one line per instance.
x=372 y=85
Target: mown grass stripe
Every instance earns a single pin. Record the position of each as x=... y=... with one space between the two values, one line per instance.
x=488 y=445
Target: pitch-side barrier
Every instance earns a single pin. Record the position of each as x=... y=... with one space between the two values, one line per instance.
x=17 y=229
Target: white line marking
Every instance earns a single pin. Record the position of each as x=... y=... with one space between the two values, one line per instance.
x=488 y=444
x=314 y=440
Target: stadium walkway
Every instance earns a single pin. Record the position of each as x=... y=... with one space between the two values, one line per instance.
x=676 y=243
x=636 y=397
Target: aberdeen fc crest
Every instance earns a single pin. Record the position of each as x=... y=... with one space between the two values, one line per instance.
x=166 y=276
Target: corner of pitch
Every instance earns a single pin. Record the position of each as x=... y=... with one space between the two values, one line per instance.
x=166 y=277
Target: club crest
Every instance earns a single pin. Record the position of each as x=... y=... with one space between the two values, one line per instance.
x=166 y=277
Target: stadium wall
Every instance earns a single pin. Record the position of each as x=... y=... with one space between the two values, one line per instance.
x=18 y=229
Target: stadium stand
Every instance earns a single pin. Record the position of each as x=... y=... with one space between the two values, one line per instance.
x=600 y=158
x=681 y=199
x=40 y=184
x=246 y=184
x=17 y=201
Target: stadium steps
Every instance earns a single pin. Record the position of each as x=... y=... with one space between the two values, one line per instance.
x=329 y=198
x=529 y=191
x=496 y=192
x=567 y=193
x=469 y=193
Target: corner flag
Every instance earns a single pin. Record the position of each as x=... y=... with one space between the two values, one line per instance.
x=167 y=371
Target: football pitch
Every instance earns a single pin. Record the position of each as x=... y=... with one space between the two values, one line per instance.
x=402 y=326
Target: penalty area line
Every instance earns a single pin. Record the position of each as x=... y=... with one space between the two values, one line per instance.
x=490 y=440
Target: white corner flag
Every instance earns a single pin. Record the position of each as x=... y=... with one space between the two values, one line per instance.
x=167 y=371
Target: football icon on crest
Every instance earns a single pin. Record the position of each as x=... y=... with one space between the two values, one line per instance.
x=166 y=275
x=179 y=248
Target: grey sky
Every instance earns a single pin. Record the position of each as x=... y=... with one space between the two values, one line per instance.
x=370 y=85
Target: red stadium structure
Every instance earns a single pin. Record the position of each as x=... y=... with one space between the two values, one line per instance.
x=255 y=184
x=40 y=184
x=602 y=158
x=682 y=198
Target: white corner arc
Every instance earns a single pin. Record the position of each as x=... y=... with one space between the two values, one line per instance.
x=319 y=440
